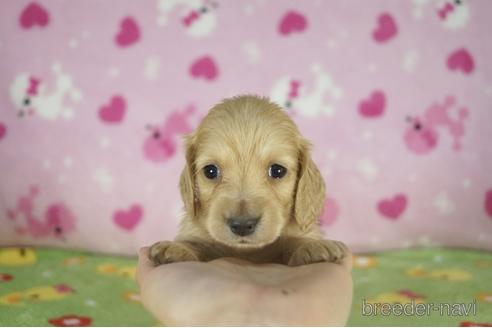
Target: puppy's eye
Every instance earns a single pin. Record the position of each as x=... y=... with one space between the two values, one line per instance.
x=277 y=171
x=211 y=171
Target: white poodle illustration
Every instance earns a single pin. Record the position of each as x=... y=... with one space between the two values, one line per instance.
x=30 y=97
x=291 y=93
x=197 y=16
x=453 y=14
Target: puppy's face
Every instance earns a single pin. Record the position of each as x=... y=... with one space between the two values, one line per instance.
x=243 y=168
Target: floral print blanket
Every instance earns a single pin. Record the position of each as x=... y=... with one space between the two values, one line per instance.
x=53 y=287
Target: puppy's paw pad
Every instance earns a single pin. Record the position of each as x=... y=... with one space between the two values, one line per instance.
x=318 y=251
x=169 y=252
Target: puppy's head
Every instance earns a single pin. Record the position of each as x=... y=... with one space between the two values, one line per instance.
x=249 y=174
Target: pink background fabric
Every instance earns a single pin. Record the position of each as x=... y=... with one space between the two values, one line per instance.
x=396 y=97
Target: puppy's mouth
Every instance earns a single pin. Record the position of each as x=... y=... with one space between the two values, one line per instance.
x=250 y=242
x=243 y=243
x=247 y=243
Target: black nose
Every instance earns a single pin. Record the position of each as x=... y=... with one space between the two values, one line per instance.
x=242 y=226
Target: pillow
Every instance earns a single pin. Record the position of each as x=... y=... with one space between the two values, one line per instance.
x=395 y=97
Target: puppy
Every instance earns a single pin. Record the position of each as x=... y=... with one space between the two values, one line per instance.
x=250 y=190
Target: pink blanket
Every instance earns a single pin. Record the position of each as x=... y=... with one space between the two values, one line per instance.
x=395 y=95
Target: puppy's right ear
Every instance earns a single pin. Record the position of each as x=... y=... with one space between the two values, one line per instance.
x=187 y=184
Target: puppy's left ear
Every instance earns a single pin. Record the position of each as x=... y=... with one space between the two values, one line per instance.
x=310 y=191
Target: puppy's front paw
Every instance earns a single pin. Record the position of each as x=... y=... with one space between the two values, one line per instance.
x=169 y=252
x=314 y=251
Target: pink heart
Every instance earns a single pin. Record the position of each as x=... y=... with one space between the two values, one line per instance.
x=292 y=22
x=488 y=203
x=394 y=207
x=204 y=67
x=129 y=32
x=128 y=219
x=3 y=130
x=386 y=28
x=461 y=59
x=374 y=106
x=330 y=212
x=114 y=112
x=33 y=15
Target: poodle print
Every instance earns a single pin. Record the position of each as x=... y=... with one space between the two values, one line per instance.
x=198 y=17
x=58 y=220
x=422 y=135
x=293 y=94
x=163 y=140
x=452 y=14
x=30 y=96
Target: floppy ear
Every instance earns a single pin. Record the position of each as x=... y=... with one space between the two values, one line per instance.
x=187 y=184
x=310 y=191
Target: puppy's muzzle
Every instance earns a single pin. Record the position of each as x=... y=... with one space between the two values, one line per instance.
x=242 y=226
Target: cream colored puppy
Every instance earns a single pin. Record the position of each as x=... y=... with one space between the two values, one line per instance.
x=250 y=190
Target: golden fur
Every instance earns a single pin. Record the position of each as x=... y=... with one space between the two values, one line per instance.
x=243 y=136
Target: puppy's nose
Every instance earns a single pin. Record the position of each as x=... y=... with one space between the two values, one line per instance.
x=242 y=226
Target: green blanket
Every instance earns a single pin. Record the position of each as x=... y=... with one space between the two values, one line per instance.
x=43 y=287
